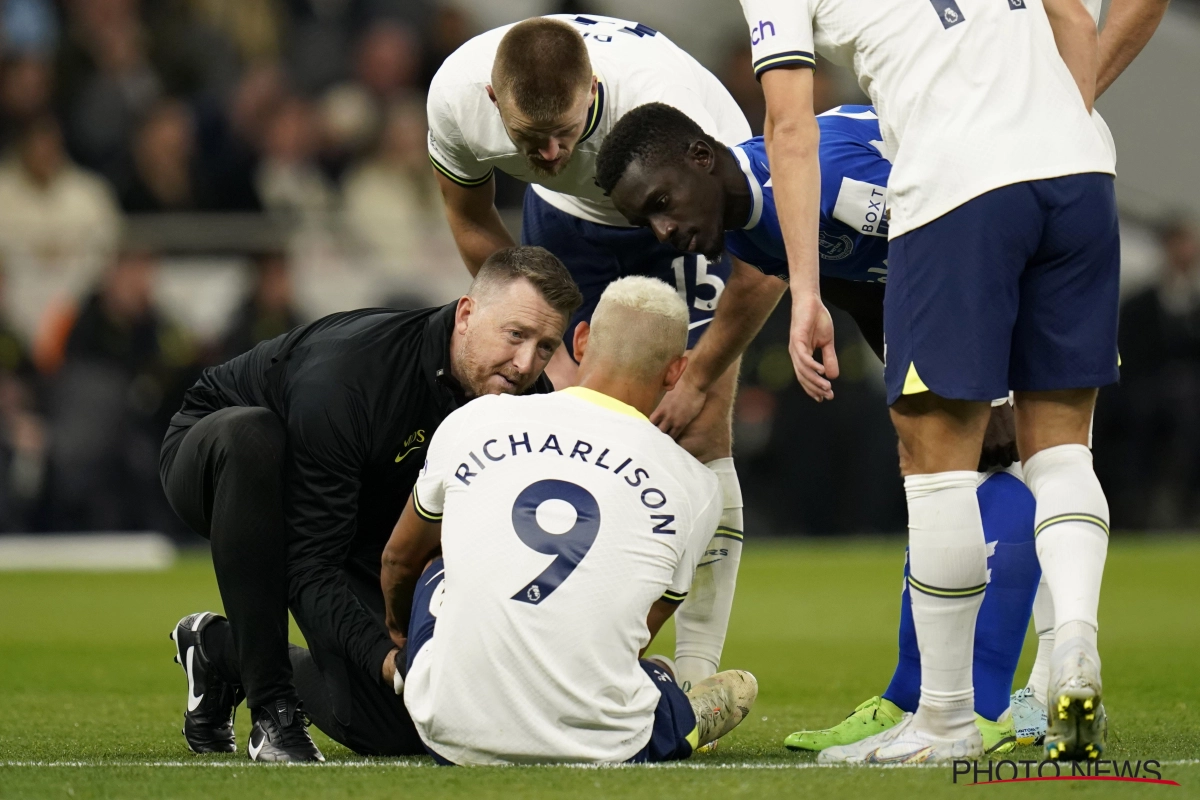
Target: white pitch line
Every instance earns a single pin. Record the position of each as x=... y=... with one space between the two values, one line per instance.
x=685 y=765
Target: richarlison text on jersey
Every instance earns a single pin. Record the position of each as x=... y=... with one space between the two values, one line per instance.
x=637 y=478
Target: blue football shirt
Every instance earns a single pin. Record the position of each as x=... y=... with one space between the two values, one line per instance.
x=854 y=175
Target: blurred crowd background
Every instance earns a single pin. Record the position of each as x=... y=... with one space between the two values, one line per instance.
x=181 y=179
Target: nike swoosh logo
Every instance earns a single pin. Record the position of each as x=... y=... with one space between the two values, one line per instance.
x=915 y=757
x=193 y=700
x=254 y=749
x=403 y=455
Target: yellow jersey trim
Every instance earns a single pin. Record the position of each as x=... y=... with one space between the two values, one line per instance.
x=469 y=183
x=421 y=512
x=912 y=381
x=604 y=401
x=693 y=738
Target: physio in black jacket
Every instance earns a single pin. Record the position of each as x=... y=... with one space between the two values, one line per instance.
x=295 y=461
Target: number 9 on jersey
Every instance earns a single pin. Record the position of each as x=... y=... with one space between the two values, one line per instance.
x=567 y=546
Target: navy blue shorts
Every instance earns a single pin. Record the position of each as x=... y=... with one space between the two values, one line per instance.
x=1016 y=289
x=596 y=255
x=674 y=719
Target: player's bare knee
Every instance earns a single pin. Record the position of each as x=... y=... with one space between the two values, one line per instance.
x=710 y=434
x=1049 y=419
x=938 y=434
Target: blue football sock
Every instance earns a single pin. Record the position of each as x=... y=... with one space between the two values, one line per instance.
x=905 y=688
x=1007 y=507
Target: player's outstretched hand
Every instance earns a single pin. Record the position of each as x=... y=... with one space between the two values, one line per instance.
x=679 y=407
x=812 y=330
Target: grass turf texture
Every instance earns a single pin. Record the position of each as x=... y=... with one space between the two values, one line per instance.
x=86 y=677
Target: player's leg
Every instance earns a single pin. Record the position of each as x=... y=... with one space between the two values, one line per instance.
x=675 y=734
x=702 y=621
x=1029 y=702
x=947 y=578
x=224 y=477
x=950 y=306
x=1007 y=507
x=427 y=603
x=1065 y=345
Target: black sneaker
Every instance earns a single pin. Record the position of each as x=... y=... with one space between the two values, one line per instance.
x=280 y=733
x=208 y=721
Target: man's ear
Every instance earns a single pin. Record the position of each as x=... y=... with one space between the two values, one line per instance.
x=492 y=96
x=674 y=372
x=462 y=313
x=580 y=340
x=703 y=155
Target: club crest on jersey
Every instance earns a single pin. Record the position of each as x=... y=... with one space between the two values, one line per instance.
x=835 y=248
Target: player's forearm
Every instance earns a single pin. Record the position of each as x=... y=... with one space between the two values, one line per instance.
x=660 y=612
x=1078 y=44
x=412 y=542
x=793 y=140
x=747 y=302
x=1127 y=29
x=399 y=582
x=474 y=222
x=479 y=238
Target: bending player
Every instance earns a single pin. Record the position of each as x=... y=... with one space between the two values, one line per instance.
x=569 y=530
x=664 y=172
x=537 y=100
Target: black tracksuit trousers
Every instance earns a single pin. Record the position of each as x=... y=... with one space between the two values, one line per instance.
x=224 y=478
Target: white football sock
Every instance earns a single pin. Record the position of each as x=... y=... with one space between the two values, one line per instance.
x=1071 y=526
x=947 y=577
x=1043 y=624
x=701 y=622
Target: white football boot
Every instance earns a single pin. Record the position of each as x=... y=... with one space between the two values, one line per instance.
x=904 y=744
x=1077 y=726
x=720 y=702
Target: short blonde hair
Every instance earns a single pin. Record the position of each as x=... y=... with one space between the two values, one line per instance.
x=639 y=326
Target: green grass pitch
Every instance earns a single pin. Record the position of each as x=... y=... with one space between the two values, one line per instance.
x=90 y=703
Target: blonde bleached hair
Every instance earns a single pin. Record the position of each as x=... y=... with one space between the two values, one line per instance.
x=640 y=326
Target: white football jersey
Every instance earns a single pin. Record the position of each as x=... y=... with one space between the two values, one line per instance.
x=565 y=517
x=972 y=95
x=634 y=65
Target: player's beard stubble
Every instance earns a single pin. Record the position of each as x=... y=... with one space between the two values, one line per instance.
x=544 y=170
x=481 y=375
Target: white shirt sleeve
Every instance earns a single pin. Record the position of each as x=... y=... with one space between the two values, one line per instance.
x=448 y=150
x=703 y=527
x=781 y=33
